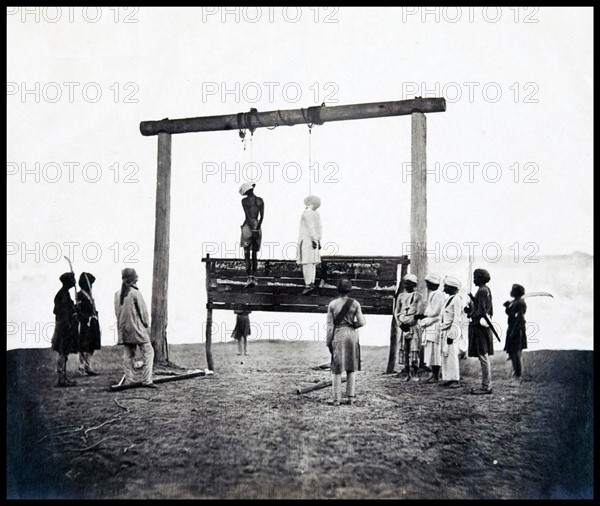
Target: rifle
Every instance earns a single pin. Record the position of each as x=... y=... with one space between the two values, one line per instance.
x=72 y=272
x=487 y=320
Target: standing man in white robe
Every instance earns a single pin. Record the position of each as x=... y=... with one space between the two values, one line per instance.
x=133 y=323
x=309 y=242
x=430 y=326
x=451 y=332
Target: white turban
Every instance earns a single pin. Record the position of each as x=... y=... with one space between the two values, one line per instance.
x=450 y=281
x=433 y=278
x=410 y=277
x=312 y=199
x=245 y=187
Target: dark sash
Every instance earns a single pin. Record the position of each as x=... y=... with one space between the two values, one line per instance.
x=339 y=318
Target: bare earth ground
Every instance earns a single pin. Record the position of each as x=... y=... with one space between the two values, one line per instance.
x=245 y=433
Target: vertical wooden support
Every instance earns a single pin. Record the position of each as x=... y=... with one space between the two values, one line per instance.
x=393 y=356
x=160 y=275
x=208 y=345
x=403 y=271
x=418 y=202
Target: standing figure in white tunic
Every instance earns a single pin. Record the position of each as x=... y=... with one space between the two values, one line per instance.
x=410 y=333
x=430 y=326
x=451 y=333
x=133 y=323
x=309 y=242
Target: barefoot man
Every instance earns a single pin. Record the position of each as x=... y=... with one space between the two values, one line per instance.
x=254 y=210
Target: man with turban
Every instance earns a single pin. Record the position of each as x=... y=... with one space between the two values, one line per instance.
x=254 y=211
x=344 y=317
x=516 y=338
x=430 y=326
x=451 y=332
x=309 y=242
x=410 y=332
x=481 y=344
x=132 y=325
x=64 y=339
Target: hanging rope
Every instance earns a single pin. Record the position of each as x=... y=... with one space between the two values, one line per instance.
x=309 y=159
x=312 y=118
x=244 y=122
x=251 y=157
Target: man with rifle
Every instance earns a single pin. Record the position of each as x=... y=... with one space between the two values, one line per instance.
x=481 y=344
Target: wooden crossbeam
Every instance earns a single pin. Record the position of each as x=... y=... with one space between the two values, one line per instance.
x=290 y=117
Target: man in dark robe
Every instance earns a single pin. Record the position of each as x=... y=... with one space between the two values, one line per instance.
x=516 y=338
x=89 y=327
x=64 y=339
x=481 y=343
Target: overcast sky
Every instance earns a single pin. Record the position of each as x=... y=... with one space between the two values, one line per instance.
x=510 y=160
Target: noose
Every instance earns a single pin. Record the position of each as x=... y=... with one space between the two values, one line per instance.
x=251 y=156
x=312 y=117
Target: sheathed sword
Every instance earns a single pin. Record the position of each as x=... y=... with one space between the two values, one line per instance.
x=487 y=320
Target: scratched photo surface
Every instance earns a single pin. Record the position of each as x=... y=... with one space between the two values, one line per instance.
x=431 y=141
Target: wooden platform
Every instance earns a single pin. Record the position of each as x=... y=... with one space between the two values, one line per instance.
x=280 y=284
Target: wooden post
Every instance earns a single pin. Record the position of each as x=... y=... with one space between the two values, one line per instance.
x=418 y=202
x=208 y=345
x=393 y=356
x=403 y=270
x=160 y=277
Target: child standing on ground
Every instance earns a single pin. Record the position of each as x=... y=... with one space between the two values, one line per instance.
x=241 y=330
